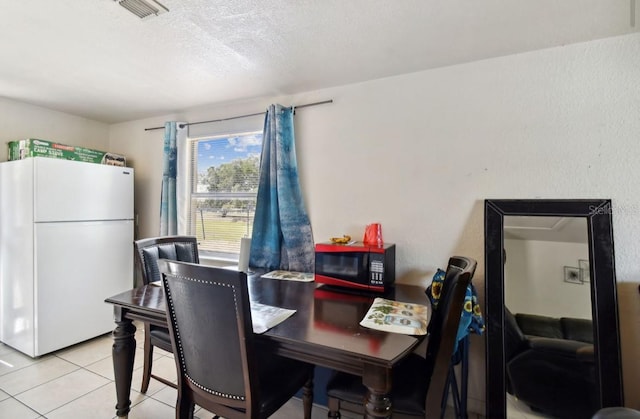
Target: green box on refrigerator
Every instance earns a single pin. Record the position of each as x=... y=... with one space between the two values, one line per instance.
x=33 y=147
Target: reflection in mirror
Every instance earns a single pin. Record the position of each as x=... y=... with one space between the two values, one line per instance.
x=551 y=304
x=545 y=262
x=538 y=250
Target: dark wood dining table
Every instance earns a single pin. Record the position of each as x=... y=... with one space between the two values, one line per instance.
x=324 y=331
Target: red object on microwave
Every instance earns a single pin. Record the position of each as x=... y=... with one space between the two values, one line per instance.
x=373 y=235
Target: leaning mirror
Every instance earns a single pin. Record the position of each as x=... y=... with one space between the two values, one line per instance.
x=551 y=307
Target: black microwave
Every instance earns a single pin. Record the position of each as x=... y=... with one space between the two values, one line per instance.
x=356 y=266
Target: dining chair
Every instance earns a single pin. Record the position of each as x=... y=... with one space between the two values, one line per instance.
x=219 y=365
x=148 y=252
x=419 y=383
x=460 y=357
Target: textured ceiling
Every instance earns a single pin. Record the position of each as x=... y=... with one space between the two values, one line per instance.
x=95 y=59
x=555 y=229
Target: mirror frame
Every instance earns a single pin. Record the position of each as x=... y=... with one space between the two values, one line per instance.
x=603 y=292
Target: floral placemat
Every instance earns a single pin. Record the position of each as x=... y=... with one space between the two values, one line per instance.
x=397 y=317
x=290 y=276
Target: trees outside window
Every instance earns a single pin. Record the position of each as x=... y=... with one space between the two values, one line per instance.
x=224 y=187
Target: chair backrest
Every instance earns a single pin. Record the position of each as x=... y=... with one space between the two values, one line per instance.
x=209 y=320
x=460 y=264
x=149 y=251
x=444 y=328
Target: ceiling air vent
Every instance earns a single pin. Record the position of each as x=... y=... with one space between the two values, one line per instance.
x=143 y=8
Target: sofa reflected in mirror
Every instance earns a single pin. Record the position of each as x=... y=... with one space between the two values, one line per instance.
x=550 y=364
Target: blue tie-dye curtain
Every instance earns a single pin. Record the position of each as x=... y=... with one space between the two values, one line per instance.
x=282 y=237
x=168 y=205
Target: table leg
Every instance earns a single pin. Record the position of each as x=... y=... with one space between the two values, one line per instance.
x=123 y=353
x=378 y=383
x=307 y=398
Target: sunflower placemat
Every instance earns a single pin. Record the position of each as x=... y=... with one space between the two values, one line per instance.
x=290 y=276
x=397 y=317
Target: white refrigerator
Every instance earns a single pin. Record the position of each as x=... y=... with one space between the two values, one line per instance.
x=66 y=244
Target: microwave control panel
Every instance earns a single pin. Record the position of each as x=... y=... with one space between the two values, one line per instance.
x=376 y=269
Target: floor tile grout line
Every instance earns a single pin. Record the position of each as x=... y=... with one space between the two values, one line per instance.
x=110 y=383
x=63 y=375
x=35 y=361
x=78 y=367
x=39 y=359
x=77 y=398
x=24 y=404
x=45 y=382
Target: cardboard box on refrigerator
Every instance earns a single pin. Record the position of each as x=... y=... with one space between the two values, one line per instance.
x=33 y=147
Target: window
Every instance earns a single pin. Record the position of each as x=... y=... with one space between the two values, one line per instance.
x=224 y=185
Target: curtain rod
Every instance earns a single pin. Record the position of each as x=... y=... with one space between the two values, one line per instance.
x=242 y=116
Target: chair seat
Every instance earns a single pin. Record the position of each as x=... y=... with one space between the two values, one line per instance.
x=279 y=378
x=408 y=393
x=160 y=337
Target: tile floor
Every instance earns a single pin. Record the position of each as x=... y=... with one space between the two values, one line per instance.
x=77 y=382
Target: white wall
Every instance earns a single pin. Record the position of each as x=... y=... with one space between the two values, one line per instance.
x=420 y=152
x=20 y=120
x=534 y=279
